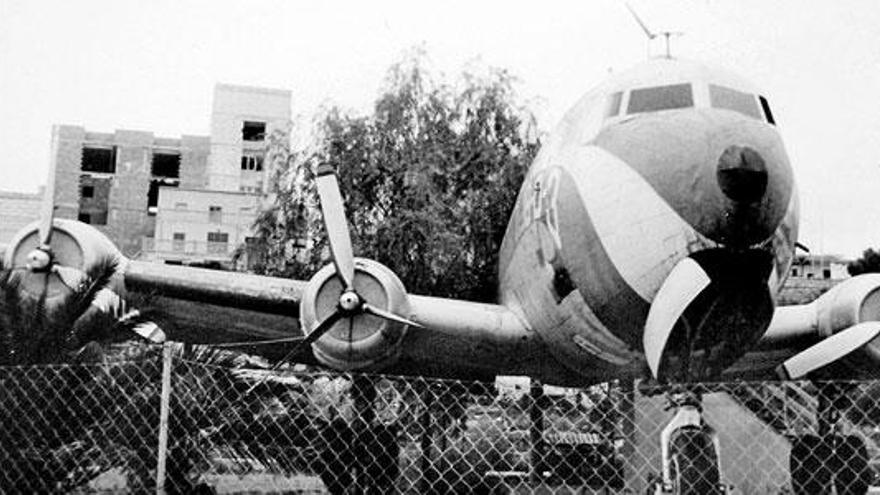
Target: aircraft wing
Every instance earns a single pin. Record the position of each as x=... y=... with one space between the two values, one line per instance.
x=839 y=330
x=449 y=338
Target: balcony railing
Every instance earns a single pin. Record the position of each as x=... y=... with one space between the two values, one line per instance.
x=227 y=217
x=171 y=248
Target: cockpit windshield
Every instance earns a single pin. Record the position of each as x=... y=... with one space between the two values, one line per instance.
x=731 y=99
x=660 y=98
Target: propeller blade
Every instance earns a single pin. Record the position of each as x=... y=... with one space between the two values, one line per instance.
x=302 y=345
x=321 y=329
x=828 y=350
x=381 y=313
x=336 y=224
x=71 y=277
x=47 y=212
x=685 y=282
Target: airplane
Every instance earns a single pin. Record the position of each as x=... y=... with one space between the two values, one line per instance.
x=649 y=240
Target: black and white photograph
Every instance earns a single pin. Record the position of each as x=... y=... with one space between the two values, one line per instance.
x=573 y=247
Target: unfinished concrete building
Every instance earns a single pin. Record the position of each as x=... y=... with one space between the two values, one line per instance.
x=187 y=200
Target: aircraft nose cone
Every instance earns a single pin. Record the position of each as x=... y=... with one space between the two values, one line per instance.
x=742 y=174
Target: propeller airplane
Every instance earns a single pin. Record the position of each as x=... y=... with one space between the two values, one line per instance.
x=649 y=240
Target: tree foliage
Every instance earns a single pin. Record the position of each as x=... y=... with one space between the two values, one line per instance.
x=868 y=263
x=429 y=179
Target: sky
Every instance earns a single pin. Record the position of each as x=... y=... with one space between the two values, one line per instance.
x=122 y=64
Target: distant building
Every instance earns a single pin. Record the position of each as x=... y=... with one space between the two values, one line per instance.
x=819 y=266
x=190 y=200
x=16 y=211
x=201 y=227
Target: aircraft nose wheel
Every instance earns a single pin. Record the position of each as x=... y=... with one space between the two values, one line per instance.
x=690 y=451
x=694 y=463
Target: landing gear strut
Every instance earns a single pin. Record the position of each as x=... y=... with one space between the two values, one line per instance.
x=690 y=451
x=818 y=462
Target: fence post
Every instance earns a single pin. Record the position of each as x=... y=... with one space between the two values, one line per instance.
x=536 y=430
x=164 y=408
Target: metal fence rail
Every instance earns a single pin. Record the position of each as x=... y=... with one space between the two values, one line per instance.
x=235 y=429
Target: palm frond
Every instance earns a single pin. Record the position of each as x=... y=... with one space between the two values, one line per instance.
x=98 y=277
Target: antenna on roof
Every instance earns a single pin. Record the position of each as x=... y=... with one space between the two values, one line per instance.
x=650 y=34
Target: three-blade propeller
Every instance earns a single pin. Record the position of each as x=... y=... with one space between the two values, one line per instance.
x=42 y=259
x=350 y=303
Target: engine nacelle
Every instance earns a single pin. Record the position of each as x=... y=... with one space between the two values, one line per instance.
x=852 y=301
x=74 y=244
x=363 y=342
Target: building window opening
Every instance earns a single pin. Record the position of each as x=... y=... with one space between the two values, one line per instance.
x=253 y=131
x=100 y=160
x=88 y=191
x=218 y=242
x=252 y=162
x=166 y=165
x=153 y=193
x=178 y=242
x=215 y=214
x=660 y=98
x=94 y=218
x=826 y=273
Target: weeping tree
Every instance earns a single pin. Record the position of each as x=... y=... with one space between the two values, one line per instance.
x=428 y=177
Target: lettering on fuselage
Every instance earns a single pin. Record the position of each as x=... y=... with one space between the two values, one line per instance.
x=540 y=207
x=542 y=213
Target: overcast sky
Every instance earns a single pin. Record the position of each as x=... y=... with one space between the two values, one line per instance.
x=152 y=66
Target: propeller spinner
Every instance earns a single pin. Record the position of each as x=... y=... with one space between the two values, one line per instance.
x=350 y=303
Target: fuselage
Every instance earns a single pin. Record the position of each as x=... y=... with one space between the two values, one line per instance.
x=671 y=159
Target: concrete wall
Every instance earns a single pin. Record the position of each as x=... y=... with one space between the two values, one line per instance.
x=233 y=105
x=124 y=192
x=66 y=157
x=129 y=220
x=194 y=151
x=16 y=211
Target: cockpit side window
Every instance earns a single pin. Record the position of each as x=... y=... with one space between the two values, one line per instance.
x=766 y=107
x=660 y=98
x=613 y=104
x=731 y=99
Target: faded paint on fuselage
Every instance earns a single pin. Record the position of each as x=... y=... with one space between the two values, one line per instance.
x=611 y=204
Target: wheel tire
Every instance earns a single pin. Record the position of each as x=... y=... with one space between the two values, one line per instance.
x=809 y=465
x=852 y=476
x=695 y=463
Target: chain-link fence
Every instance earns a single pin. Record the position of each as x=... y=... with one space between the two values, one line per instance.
x=181 y=424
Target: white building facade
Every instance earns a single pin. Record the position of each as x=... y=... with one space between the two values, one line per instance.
x=206 y=226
